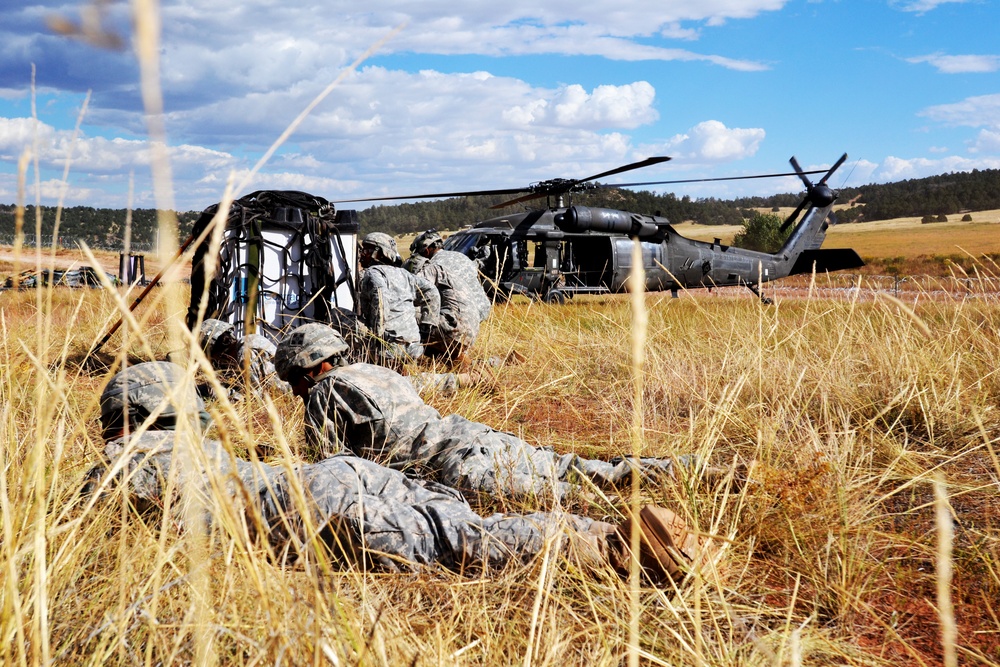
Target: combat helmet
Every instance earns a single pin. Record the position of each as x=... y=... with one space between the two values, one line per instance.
x=213 y=331
x=144 y=389
x=428 y=239
x=384 y=244
x=306 y=347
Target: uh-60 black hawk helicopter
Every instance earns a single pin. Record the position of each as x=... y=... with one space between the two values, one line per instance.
x=582 y=249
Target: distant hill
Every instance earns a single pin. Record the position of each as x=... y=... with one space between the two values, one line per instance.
x=945 y=194
x=98 y=227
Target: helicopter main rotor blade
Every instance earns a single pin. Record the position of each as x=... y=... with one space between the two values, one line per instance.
x=561 y=186
x=522 y=198
x=536 y=191
x=436 y=195
x=707 y=180
x=648 y=162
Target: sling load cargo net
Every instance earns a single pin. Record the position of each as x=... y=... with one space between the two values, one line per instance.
x=287 y=258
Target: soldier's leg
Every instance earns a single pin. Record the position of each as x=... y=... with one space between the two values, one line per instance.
x=499 y=464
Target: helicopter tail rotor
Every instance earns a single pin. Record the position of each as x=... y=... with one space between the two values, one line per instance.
x=818 y=195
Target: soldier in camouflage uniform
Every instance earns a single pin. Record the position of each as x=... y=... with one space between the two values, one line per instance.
x=375 y=413
x=230 y=355
x=464 y=304
x=356 y=335
x=362 y=513
x=395 y=305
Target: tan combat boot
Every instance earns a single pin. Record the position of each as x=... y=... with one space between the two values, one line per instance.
x=667 y=547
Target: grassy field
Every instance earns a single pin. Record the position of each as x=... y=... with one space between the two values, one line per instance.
x=834 y=554
x=868 y=534
x=897 y=238
x=901 y=246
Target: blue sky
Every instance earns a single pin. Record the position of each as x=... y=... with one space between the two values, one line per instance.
x=481 y=94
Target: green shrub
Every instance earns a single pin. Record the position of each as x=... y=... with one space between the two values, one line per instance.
x=762 y=232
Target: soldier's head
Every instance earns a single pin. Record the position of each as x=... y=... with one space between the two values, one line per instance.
x=378 y=248
x=218 y=339
x=427 y=243
x=157 y=392
x=306 y=353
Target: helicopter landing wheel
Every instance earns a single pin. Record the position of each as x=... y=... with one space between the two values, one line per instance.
x=556 y=297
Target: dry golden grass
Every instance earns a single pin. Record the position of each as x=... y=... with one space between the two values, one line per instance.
x=900 y=237
x=851 y=412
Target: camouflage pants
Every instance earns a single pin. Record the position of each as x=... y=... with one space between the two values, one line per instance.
x=355 y=510
x=371 y=515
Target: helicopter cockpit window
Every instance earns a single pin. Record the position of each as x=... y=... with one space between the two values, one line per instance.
x=462 y=243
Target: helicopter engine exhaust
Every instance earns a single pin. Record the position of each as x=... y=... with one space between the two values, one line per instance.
x=586 y=218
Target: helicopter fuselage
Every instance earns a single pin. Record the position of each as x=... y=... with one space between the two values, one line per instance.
x=555 y=253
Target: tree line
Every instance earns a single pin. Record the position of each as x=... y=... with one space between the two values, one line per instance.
x=944 y=194
x=97 y=227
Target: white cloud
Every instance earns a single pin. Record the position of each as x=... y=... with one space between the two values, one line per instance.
x=201 y=42
x=19 y=134
x=387 y=119
x=959 y=64
x=438 y=132
x=627 y=106
x=285 y=180
x=979 y=111
x=858 y=173
x=676 y=31
x=987 y=142
x=94 y=154
x=921 y=6
x=897 y=169
x=99 y=166
x=712 y=142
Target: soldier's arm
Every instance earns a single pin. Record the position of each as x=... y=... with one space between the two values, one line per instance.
x=372 y=308
x=428 y=300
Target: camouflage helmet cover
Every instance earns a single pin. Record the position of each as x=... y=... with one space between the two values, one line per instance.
x=211 y=330
x=138 y=391
x=306 y=347
x=382 y=242
x=426 y=239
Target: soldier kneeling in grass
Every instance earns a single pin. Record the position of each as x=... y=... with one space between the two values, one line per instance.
x=352 y=510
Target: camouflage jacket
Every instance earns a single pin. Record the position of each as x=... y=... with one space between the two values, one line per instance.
x=372 y=411
x=390 y=298
x=377 y=414
x=464 y=304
